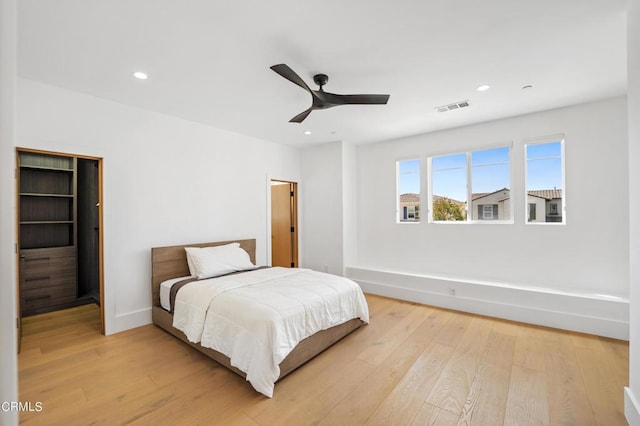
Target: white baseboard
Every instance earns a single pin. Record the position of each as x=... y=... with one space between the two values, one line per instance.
x=130 y=320
x=594 y=314
x=631 y=408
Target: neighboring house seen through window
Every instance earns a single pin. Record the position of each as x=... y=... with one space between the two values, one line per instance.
x=532 y=212
x=471 y=186
x=545 y=181
x=408 y=178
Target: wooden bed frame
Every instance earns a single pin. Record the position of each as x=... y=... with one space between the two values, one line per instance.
x=171 y=262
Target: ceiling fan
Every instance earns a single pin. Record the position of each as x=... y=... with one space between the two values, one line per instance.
x=322 y=99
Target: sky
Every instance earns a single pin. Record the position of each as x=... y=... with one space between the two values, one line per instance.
x=490 y=171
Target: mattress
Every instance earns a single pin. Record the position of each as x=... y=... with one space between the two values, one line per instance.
x=165 y=291
x=258 y=317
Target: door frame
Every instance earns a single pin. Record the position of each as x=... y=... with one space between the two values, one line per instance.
x=296 y=219
x=100 y=230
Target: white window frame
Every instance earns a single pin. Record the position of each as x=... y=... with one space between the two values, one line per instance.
x=541 y=141
x=399 y=209
x=469 y=169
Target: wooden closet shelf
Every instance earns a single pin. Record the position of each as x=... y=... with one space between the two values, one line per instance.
x=40 y=194
x=54 y=169
x=45 y=222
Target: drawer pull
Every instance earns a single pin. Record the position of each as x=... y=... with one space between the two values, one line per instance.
x=32 y=298
x=36 y=258
x=40 y=278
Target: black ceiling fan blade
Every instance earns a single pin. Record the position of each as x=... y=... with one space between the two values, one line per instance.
x=363 y=99
x=290 y=75
x=300 y=117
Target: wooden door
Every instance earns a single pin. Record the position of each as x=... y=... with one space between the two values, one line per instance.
x=284 y=227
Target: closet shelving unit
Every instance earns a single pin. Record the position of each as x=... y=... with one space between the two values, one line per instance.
x=48 y=229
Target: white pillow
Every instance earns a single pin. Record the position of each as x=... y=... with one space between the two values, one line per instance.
x=207 y=262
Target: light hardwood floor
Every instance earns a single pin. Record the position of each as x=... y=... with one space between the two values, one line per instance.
x=413 y=364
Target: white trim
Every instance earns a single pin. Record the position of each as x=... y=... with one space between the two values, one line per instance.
x=541 y=141
x=399 y=212
x=8 y=311
x=469 y=183
x=555 y=137
x=131 y=320
x=631 y=407
x=268 y=215
x=268 y=221
x=587 y=313
x=508 y=143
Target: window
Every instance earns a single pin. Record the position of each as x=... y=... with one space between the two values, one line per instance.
x=410 y=213
x=480 y=179
x=490 y=182
x=532 y=212
x=449 y=187
x=545 y=181
x=408 y=177
x=487 y=211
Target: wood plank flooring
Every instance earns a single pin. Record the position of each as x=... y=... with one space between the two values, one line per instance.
x=413 y=365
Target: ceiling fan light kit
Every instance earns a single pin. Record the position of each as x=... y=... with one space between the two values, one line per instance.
x=321 y=99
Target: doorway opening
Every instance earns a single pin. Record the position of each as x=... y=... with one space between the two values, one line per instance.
x=284 y=224
x=59 y=218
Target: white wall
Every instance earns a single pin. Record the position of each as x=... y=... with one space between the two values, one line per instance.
x=166 y=181
x=350 y=202
x=632 y=395
x=587 y=257
x=329 y=197
x=321 y=199
x=8 y=349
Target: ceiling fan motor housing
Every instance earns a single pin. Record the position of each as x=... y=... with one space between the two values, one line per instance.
x=321 y=79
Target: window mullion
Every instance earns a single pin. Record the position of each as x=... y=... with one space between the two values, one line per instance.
x=469 y=189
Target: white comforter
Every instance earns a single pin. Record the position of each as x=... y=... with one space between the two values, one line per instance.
x=256 y=318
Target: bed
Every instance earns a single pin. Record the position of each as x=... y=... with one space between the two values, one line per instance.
x=171 y=262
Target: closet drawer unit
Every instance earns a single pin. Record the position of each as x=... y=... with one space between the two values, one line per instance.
x=55 y=279
x=43 y=298
x=48 y=278
x=36 y=260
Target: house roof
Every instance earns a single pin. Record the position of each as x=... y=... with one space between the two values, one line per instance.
x=409 y=197
x=477 y=195
x=548 y=194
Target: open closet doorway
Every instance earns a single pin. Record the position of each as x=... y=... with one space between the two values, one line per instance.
x=284 y=224
x=59 y=220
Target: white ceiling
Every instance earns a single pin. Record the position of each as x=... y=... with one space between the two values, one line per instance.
x=208 y=61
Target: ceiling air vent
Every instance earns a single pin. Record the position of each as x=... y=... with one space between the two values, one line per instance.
x=456 y=105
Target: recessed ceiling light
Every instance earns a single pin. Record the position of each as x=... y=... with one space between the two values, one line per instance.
x=307 y=132
x=483 y=88
x=140 y=75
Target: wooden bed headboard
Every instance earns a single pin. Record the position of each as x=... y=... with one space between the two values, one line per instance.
x=171 y=262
